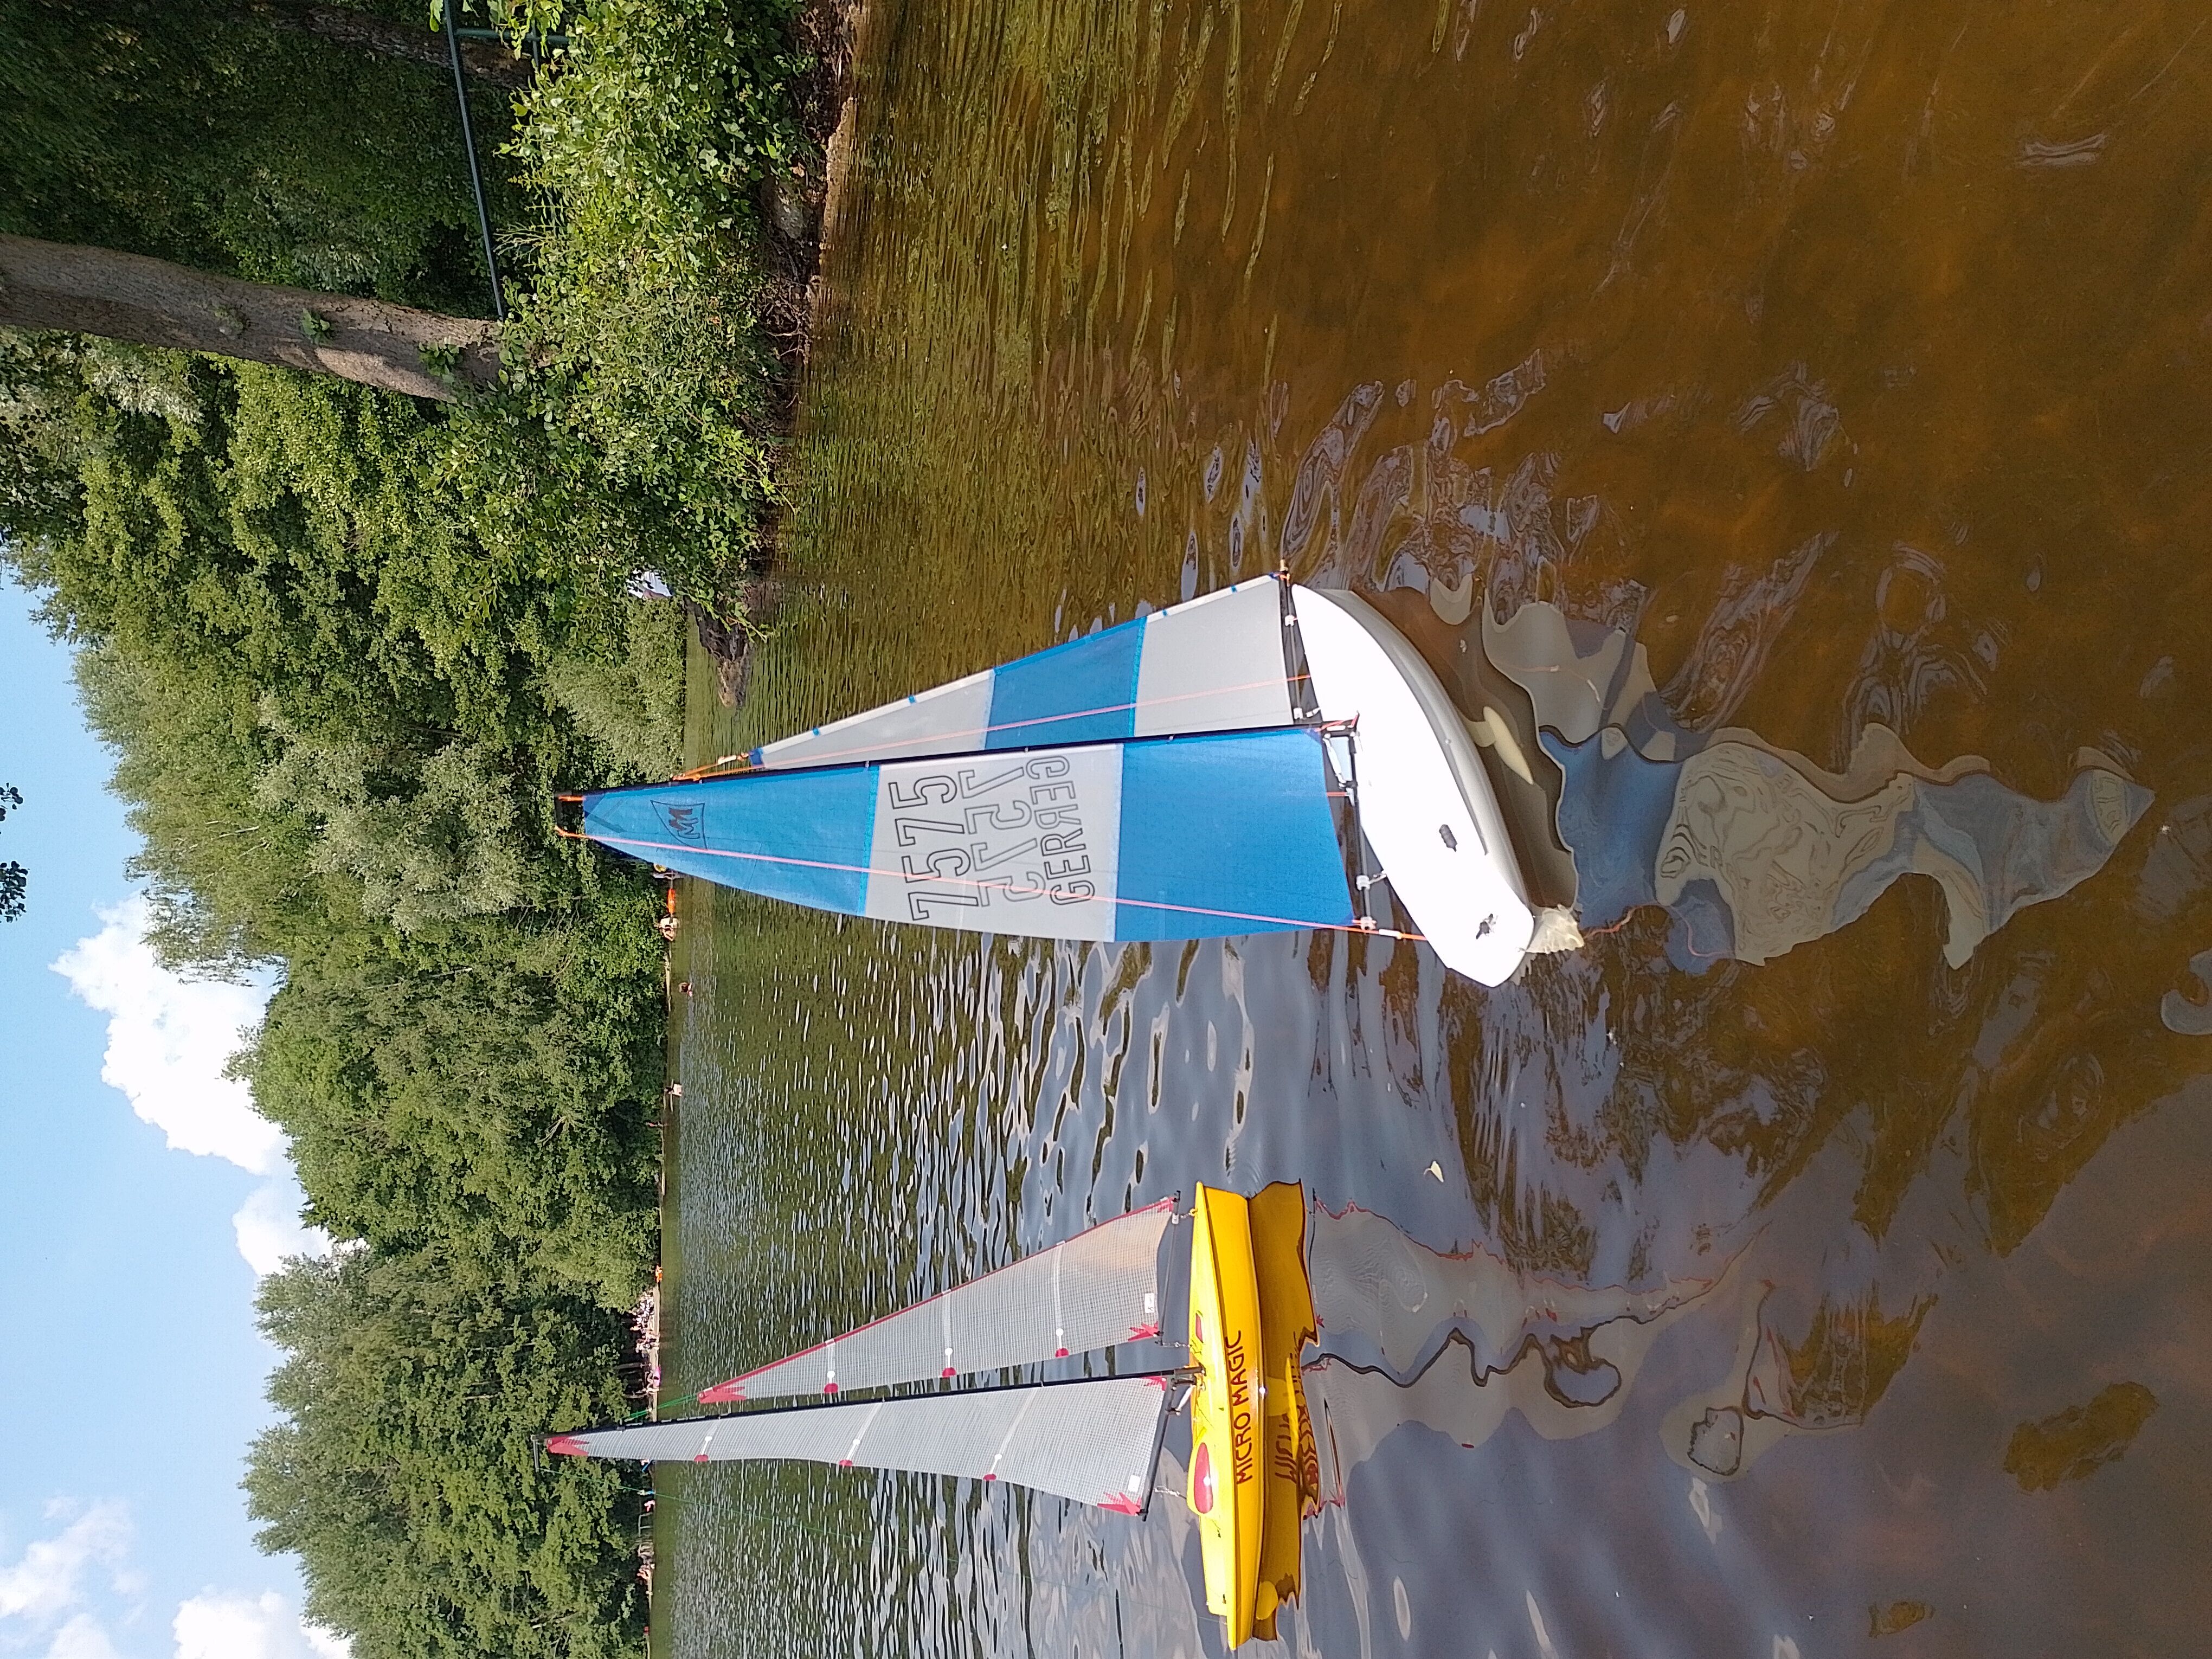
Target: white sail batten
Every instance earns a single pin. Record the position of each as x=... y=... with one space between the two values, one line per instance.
x=1098 y=1289
x=1094 y=1441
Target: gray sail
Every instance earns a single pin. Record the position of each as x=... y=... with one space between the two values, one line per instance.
x=1094 y=1441
x=1100 y=1288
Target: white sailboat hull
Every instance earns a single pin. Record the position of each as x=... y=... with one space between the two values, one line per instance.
x=1425 y=803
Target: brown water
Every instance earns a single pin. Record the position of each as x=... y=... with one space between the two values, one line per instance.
x=1814 y=1261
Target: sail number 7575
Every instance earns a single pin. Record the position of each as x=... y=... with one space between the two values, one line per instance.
x=1015 y=830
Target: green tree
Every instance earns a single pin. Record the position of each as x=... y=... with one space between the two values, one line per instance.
x=403 y=1473
x=488 y=1091
x=273 y=180
x=337 y=712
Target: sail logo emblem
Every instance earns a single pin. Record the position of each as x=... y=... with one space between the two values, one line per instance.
x=685 y=820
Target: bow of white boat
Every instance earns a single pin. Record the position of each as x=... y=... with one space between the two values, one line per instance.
x=1426 y=803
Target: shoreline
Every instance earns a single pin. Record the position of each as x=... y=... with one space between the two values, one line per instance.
x=799 y=215
x=830 y=31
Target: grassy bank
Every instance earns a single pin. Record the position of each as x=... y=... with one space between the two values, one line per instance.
x=345 y=646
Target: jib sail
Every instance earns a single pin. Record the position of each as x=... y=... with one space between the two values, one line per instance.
x=1099 y=1288
x=1215 y=664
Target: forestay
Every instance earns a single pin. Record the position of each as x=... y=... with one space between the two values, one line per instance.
x=1214 y=663
x=1164 y=838
x=1099 y=1288
x=1094 y=1441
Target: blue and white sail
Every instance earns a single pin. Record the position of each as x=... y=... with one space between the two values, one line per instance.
x=1163 y=838
x=1215 y=664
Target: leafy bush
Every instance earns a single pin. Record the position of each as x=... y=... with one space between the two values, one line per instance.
x=200 y=131
x=487 y=1090
x=626 y=693
x=333 y=711
x=636 y=348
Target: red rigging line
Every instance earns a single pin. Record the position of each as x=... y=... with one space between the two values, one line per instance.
x=1365 y=925
x=700 y=774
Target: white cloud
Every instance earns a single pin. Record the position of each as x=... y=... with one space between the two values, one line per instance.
x=213 y=1625
x=270 y=1229
x=168 y=1040
x=82 y=1637
x=43 y=1585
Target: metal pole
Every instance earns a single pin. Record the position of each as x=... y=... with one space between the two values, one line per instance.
x=476 y=174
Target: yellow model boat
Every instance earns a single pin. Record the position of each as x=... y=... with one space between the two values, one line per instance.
x=1227 y=1488
x=1290 y=1470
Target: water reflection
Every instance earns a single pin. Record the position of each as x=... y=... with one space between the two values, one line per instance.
x=1456 y=1340
x=1753 y=849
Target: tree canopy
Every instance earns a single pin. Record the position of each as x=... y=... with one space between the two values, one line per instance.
x=210 y=133
x=338 y=714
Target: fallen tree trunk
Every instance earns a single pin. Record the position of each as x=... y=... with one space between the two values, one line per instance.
x=126 y=296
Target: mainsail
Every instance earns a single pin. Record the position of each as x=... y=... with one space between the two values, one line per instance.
x=1098 y=1289
x=1095 y=1440
x=1215 y=664
x=1161 y=838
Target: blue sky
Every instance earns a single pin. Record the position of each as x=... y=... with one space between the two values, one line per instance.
x=124 y=1290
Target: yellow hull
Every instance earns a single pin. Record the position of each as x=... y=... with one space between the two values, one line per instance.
x=1226 y=1488
x=1289 y=1473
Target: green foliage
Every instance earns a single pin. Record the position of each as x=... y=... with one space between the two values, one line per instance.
x=402 y=1473
x=665 y=117
x=199 y=131
x=636 y=349
x=488 y=1089
x=334 y=714
x=275 y=576
x=629 y=697
x=345 y=646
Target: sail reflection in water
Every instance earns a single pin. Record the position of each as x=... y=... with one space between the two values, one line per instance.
x=1753 y=849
